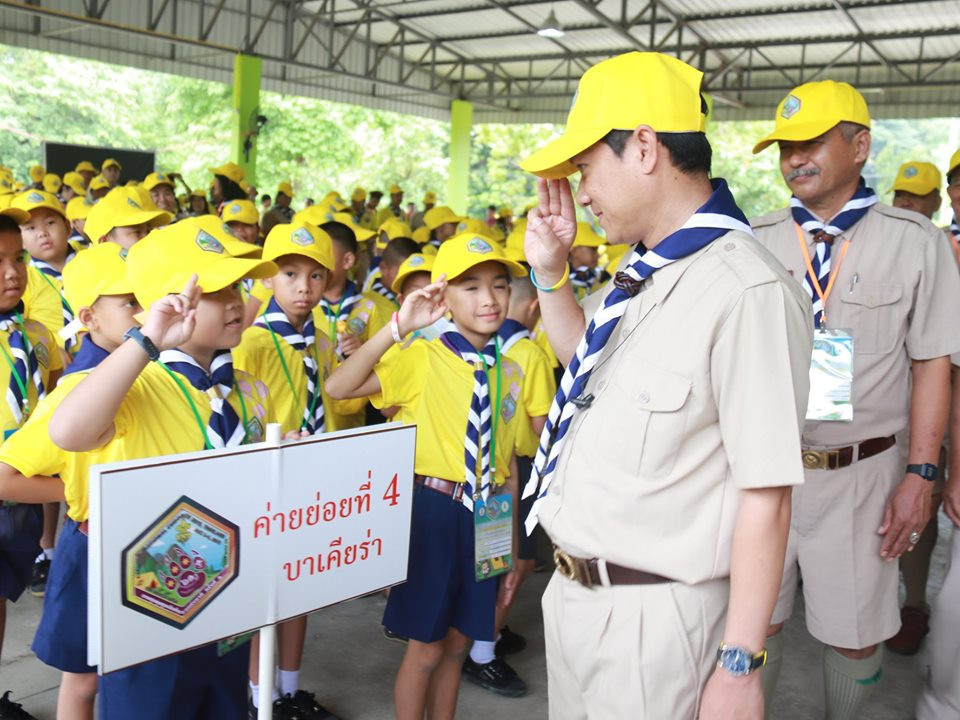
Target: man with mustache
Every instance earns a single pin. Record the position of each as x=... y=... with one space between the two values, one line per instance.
x=883 y=281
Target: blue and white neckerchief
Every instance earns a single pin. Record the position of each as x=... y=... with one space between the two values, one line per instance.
x=24 y=366
x=224 y=428
x=65 y=310
x=276 y=320
x=477 y=441
x=510 y=333
x=955 y=229
x=87 y=358
x=378 y=287
x=586 y=278
x=714 y=219
x=350 y=297
x=824 y=234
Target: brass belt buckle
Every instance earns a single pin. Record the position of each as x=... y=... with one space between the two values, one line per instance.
x=820 y=459
x=570 y=568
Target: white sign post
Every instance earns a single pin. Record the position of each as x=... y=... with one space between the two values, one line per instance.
x=189 y=549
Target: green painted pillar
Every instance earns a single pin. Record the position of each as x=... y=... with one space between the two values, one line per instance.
x=246 y=101
x=461 y=119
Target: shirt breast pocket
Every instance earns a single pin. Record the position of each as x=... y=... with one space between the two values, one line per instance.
x=874 y=313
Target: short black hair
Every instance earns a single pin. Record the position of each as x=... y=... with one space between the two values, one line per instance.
x=265 y=197
x=399 y=249
x=850 y=129
x=8 y=224
x=690 y=152
x=342 y=235
x=231 y=190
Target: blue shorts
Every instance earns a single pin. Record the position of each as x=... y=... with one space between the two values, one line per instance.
x=61 y=639
x=193 y=685
x=441 y=590
x=526 y=544
x=21 y=526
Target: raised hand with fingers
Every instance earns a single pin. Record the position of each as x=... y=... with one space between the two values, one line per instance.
x=171 y=319
x=422 y=307
x=551 y=229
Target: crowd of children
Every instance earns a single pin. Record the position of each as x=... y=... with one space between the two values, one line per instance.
x=136 y=321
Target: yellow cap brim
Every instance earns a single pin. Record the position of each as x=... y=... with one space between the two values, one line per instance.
x=914 y=187
x=455 y=270
x=796 y=132
x=16 y=214
x=552 y=162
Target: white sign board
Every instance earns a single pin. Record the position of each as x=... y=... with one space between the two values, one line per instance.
x=189 y=549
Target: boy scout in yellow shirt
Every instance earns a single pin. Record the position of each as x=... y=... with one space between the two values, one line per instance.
x=150 y=397
x=242 y=218
x=123 y=217
x=463 y=395
x=95 y=284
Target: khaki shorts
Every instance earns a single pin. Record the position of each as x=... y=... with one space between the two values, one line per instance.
x=940 y=699
x=849 y=591
x=642 y=652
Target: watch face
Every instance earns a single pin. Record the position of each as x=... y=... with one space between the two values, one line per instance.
x=735 y=661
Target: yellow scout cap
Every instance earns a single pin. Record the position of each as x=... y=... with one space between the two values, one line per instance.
x=395 y=227
x=347 y=219
x=85 y=166
x=315 y=215
x=299 y=238
x=437 y=216
x=463 y=251
x=156 y=178
x=240 y=211
x=98 y=271
x=418 y=262
x=475 y=226
x=78 y=208
x=515 y=253
x=954 y=163
x=813 y=108
x=636 y=88
x=37 y=172
x=359 y=195
x=430 y=198
x=332 y=199
x=919 y=178
x=35 y=199
x=394 y=189
x=505 y=212
x=587 y=236
x=74 y=181
x=110 y=162
x=421 y=235
x=224 y=235
x=98 y=183
x=16 y=214
x=52 y=183
x=231 y=171
x=164 y=260
x=286 y=188
x=515 y=238
x=122 y=207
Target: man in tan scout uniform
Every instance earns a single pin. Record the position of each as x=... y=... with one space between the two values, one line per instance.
x=663 y=474
x=885 y=278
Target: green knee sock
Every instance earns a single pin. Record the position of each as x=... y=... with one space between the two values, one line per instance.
x=771 y=671
x=849 y=683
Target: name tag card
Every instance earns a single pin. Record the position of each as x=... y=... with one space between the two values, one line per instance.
x=493 y=536
x=831 y=376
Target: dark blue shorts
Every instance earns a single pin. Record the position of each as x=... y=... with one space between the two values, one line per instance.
x=526 y=545
x=194 y=685
x=61 y=639
x=21 y=526
x=441 y=590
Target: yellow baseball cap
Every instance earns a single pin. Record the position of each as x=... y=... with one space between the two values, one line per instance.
x=437 y=216
x=394 y=228
x=954 y=163
x=16 y=214
x=231 y=171
x=52 y=183
x=156 y=178
x=429 y=198
x=240 y=211
x=37 y=172
x=299 y=238
x=347 y=219
x=98 y=271
x=333 y=200
x=110 y=162
x=587 y=236
x=515 y=238
x=359 y=195
x=394 y=189
x=35 y=199
x=74 y=181
x=421 y=235
x=78 y=208
x=621 y=93
x=813 y=108
x=919 y=178
x=122 y=207
x=505 y=212
x=85 y=166
x=164 y=260
x=285 y=188
x=475 y=226
x=418 y=262
x=517 y=254
x=222 y=232
x=463 y=251
x=99 y=183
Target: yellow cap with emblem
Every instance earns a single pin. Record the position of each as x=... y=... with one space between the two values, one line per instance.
x=36 y=199
x=362 y=233
x=122 y=207
x=919 y=178
x=85 y=166
x=231 y=171
x=110 y=162
x=813 y=108
x=78 y=208
x=37 y=172
x=418 y=262
x=74 y=181
x=622 y=93
x=156 y=178
x=243 y=211
x=98 y=271
x=464 y=251
x=954 y=163
x=437 y=216
x=299 y=238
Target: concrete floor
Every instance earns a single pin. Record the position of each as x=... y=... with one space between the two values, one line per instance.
x=350 y=665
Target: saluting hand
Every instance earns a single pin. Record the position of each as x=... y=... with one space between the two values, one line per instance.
x=171 y=319
x=551 y=229
x=422 y=307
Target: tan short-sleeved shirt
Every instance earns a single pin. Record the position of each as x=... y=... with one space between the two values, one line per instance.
x=700 y=391
x=898 y=290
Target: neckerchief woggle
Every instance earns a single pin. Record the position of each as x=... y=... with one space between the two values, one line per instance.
x=714 y=219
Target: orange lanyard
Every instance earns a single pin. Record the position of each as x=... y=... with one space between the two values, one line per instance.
x=814 y=280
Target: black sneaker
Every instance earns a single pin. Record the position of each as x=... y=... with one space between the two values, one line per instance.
x=390 y=635
x=252 y=712
x=495 y=676
x=307 y=706
x=9 y=710
x=510 y=643
x=38 y=579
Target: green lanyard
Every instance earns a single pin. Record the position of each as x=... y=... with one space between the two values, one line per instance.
x=63 y=298
x=286 y=372
x=333 y=316
x=25 y=405
x=496 y=405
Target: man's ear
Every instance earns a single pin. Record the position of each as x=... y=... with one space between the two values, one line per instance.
x=861 y=143
x=645 y=145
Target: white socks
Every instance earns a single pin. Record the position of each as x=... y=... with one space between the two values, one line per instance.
x=483 y=652
x=288 y=681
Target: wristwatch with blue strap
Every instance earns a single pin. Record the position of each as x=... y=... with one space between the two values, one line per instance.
x=739 y=662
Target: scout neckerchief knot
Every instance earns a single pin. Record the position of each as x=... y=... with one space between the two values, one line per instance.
x=378 y=287
x=224 y=429
x=718 y=216
x=88 y=357
x=22 y=363
x=477 y=442
x=349 y=298
x=824 y=234
x=275 y=320
x=510 y=333
x=49 y=271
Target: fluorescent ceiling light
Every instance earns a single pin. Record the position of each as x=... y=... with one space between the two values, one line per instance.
x=551 y=28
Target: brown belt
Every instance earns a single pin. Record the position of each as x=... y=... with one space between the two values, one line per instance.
x=837 y=458
x=591 y=572
x=444 y=487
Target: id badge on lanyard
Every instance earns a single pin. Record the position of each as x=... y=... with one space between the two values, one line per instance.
x=493 y=536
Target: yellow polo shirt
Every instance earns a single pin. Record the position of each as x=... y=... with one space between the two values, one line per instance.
x=539 y=387
x=48 y=358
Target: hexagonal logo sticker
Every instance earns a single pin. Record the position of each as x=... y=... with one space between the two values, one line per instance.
x=179 y=564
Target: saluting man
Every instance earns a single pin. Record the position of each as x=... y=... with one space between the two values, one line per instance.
x=884 y=291
x=664 y=471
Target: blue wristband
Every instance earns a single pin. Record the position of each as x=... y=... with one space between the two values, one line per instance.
x=543 y=288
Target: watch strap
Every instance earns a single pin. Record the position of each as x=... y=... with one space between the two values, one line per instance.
x=143 y=341
x=928 y=471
